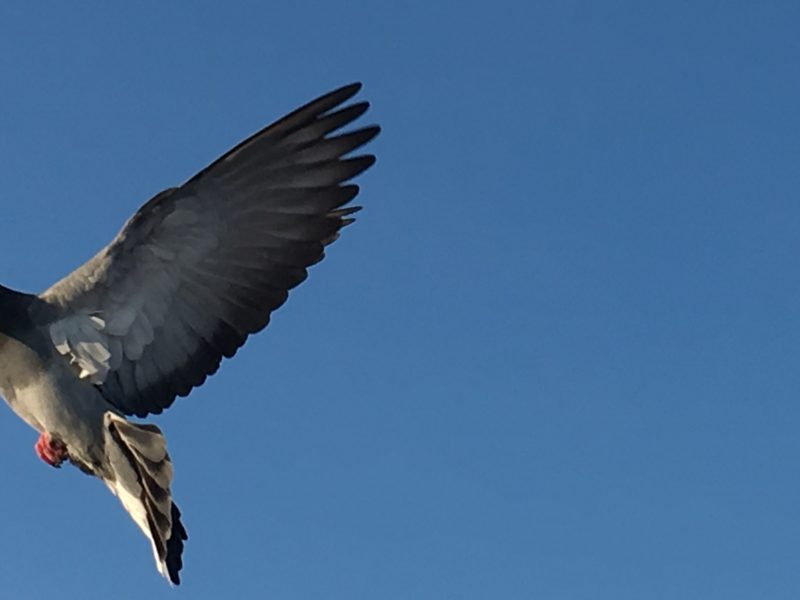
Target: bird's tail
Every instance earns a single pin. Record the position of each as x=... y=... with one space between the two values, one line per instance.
x=141 y=476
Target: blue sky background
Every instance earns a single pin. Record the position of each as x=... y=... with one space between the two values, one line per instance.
x=557 y=357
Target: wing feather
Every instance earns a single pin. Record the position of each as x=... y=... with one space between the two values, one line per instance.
x=201 y=267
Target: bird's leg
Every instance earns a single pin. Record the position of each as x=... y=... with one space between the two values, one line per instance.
x=51 y=451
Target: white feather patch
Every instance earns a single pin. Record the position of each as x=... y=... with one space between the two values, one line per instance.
x=79 y=338
x=59 y=338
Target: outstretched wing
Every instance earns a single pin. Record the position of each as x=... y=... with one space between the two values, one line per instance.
x=200 y=267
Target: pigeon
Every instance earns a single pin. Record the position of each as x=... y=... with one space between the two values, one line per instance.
x=194 y=272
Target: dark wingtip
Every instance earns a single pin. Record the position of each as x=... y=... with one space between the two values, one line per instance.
x=343 y=212
x=351 y=89
x=339 y=95
x=369 y=133
x=363 y=162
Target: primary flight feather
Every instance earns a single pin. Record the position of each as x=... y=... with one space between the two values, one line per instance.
x=189 y=277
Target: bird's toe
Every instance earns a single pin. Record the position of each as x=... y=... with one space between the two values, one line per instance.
x=51 y=451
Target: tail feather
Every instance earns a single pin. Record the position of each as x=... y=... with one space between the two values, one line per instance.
x=174 y=560
x=142 y=473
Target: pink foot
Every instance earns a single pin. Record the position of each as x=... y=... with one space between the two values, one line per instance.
x=51 y=451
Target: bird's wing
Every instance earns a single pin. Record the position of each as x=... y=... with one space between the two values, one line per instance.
x=200 y=267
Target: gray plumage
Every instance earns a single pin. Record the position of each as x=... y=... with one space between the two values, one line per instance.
x=190 y=276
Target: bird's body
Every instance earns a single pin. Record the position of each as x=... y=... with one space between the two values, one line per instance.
x=41 y=387
x=194 y=272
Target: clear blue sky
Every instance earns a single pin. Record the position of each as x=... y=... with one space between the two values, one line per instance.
x=557 y=357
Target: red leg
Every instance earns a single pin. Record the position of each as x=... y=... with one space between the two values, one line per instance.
x=51 y=451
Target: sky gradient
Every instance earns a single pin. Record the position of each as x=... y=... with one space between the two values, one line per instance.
x=557 y=355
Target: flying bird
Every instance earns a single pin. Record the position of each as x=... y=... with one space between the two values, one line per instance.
x=190 y=276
